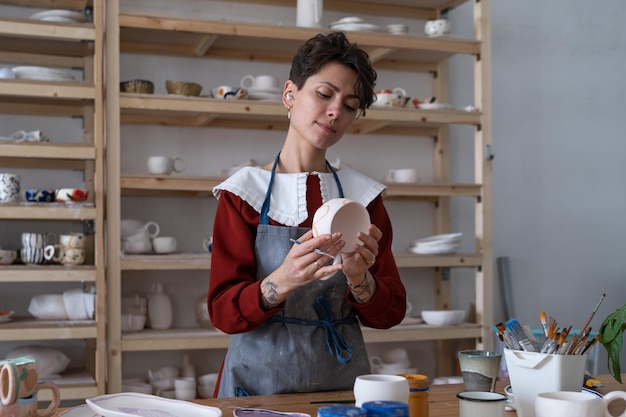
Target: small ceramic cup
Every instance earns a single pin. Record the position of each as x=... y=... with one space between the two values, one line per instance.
x=165 y=165
x=9 y=187
x=164 y=244
x=38 y=240
x=73 y=256
x=479 y=369
x=437 y=27
x=32 y=256
x=40 y=196
x=380 y=387
x=402 y=175
x=479 y=403
x=229 y=92
x=72 y=241
x=7 y=257
x=260 y=82
x=576 y=404
x=28 y=407
x=18 y=379
x=391 y=98
x=185 y=388
x=53 y=253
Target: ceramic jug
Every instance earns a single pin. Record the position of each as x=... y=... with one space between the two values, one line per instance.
x=160 y=310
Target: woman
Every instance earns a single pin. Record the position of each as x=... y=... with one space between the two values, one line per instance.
x=291 y=330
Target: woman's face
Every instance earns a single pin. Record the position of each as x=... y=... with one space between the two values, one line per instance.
x=325 y=107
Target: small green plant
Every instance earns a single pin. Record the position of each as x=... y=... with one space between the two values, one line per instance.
x=612 y=335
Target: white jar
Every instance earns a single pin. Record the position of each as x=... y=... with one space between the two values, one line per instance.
x=160 y=310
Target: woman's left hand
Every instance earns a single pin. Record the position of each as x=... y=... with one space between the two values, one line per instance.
x=356 y=263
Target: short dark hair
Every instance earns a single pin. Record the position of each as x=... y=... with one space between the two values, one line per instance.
x=335 y=47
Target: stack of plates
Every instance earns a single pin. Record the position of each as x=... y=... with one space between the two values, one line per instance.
x=269 y=94
x=437 y=245
x=60 y=16
x=43 y=73
x=354 y=24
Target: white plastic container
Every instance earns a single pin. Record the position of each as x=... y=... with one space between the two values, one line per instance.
x=532 y=373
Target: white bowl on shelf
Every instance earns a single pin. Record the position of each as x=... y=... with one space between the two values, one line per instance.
x=437 y=245
x=443 y=317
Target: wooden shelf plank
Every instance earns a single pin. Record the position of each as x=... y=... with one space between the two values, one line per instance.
x=47 y=89
x=157 y=109
x=47 y=150
x=47 y=273
x=39 y=29
x=73 y=384
x=54 y=107
x=235 y=40
x=197 y=338
x=51 y=4
x=175 y=261
x=23 y=329
x=460 y=260
x=47 y=211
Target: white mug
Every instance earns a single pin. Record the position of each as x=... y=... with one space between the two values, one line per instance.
x=379 y=387
x=402 y=175
x=480 y=403
x=72 y=240
x=309 y=13
x=164 y=244
x=260 y=82
x=575 y=404
x=164 y=165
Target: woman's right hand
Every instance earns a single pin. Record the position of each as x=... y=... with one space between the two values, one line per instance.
x=301 y=266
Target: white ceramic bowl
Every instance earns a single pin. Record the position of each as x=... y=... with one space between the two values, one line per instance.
x=7 y=257
x=443 y=317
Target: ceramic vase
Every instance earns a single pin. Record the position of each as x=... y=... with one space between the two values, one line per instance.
x=160 y=310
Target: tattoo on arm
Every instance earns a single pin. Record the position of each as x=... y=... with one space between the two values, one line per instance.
x=269 y=294
x=364 y=291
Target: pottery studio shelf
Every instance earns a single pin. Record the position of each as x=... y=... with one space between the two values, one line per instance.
x=47 y=273
x=51 y=4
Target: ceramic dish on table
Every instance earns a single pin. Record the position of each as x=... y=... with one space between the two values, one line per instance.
x=132 y=404
x=259 y=412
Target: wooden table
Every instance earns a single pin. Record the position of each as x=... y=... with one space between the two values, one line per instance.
x=442 y=399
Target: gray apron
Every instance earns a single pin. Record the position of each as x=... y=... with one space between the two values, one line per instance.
x=313 y=344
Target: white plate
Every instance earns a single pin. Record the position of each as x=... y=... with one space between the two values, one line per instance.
x=260 y=412
x=349 y=19
x=435 y=106
x=278 y=91
x=79 y=411
x=264 y=96
x=357 y=27
x=131 y=404
x=43 y=73
x=60 y=16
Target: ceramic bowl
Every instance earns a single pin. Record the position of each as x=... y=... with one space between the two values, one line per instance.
x=71 y=195
x=133 y=322
x=443 y=317
x=40 y=196
x=7 y=257
x=437 y=245
x=137 y=86
x=164 y=244
x=342 y=215
x=183 y=88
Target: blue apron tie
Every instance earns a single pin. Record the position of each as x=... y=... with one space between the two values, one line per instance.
x=335 y=342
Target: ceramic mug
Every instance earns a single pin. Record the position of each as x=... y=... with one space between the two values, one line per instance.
x=133 y=322
x=402 y=175
x=164 y=165
x=130 y=227
x=40 y=196
x=437 y=27
x=309 y=13
x=479 y=403
x=9 y=187
x=53 y=253
x=185 y=388
x=32 y=256
x=378 y=387
x=207 y=244
x=73 y=256
x=576 y=404
x=18 y=379
x=72 y=241
x=38 y=240
x=260 y=82
x=479 y=369
x=28 y=407
x=164 y=244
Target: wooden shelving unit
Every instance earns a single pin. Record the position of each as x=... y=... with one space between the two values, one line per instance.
x=178 y=37
x=75 y=46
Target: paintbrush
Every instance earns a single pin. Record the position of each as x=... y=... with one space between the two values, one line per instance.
x=590 y=343
x=582 y=329
x=544 y=322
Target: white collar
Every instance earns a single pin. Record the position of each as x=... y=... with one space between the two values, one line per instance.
x=250 y=184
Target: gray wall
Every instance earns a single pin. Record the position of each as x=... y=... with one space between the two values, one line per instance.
x=559 y=195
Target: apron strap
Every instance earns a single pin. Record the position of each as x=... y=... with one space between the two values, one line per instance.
x=264 y=218
x=335 y=342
